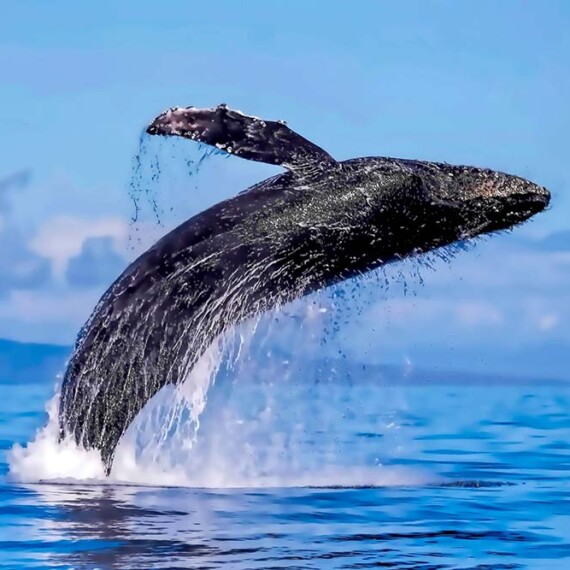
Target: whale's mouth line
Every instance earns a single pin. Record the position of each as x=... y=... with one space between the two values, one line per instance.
x=514 y=211
x=530 y=204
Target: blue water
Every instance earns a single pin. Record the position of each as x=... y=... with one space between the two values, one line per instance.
x=463 y=477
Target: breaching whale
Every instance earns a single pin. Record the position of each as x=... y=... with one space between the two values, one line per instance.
x=320 y=222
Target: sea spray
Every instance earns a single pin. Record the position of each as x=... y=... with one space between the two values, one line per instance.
x=266 y=405
x=158 y=444
x=164 y=185
x=278 y=413
x=269 y=404
x=160 y=188
x=47 y=459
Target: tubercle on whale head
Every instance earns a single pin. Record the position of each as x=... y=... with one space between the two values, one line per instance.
x=481 y=200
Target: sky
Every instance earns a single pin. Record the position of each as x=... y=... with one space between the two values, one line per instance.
x=472 y=82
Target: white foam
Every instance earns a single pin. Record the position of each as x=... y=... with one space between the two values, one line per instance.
x=269 y=430
x=44 y=458
x=228 y=462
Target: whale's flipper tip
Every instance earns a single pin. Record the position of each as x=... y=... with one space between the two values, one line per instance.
x=246 y=136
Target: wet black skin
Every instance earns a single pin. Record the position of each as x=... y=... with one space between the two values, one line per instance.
x=318 y=223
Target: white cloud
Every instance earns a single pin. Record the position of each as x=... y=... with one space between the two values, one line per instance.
x=500 y=297
x=46 y=316
x=62 y=238
x=548 y=322
x=399 y=319
x=478 y=314
x=503 y=293
x=56 y=306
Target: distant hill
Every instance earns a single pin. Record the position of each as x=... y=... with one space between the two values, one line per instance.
x=340 y=369
x=26 y=362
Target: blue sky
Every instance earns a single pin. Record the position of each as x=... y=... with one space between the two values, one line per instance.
x=476 y=82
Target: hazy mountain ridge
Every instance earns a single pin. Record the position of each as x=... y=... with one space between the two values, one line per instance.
x=30 y=363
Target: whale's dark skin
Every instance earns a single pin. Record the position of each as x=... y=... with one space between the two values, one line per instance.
x=318 y=223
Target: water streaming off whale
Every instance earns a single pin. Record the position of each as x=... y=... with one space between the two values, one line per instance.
x=291 y=236
x=273 y=403
x=229 y=423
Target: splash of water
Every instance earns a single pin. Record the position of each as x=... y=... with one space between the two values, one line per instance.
x=164 y=173
x=44 y=458
x=276 y=416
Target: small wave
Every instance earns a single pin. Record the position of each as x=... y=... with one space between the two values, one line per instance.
x=476 y=484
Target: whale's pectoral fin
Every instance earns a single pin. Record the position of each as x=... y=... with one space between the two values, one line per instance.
x=248 y=137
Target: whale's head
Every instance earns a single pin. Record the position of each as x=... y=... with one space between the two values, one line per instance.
x=411 y=207
x=480 y=200
x=444 y=203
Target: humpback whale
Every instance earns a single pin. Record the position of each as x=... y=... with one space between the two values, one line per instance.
x=319 y=222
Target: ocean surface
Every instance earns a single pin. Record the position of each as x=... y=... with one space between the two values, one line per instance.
x=359 y=472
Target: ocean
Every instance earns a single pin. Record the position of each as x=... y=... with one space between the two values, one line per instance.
x=298 y=470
